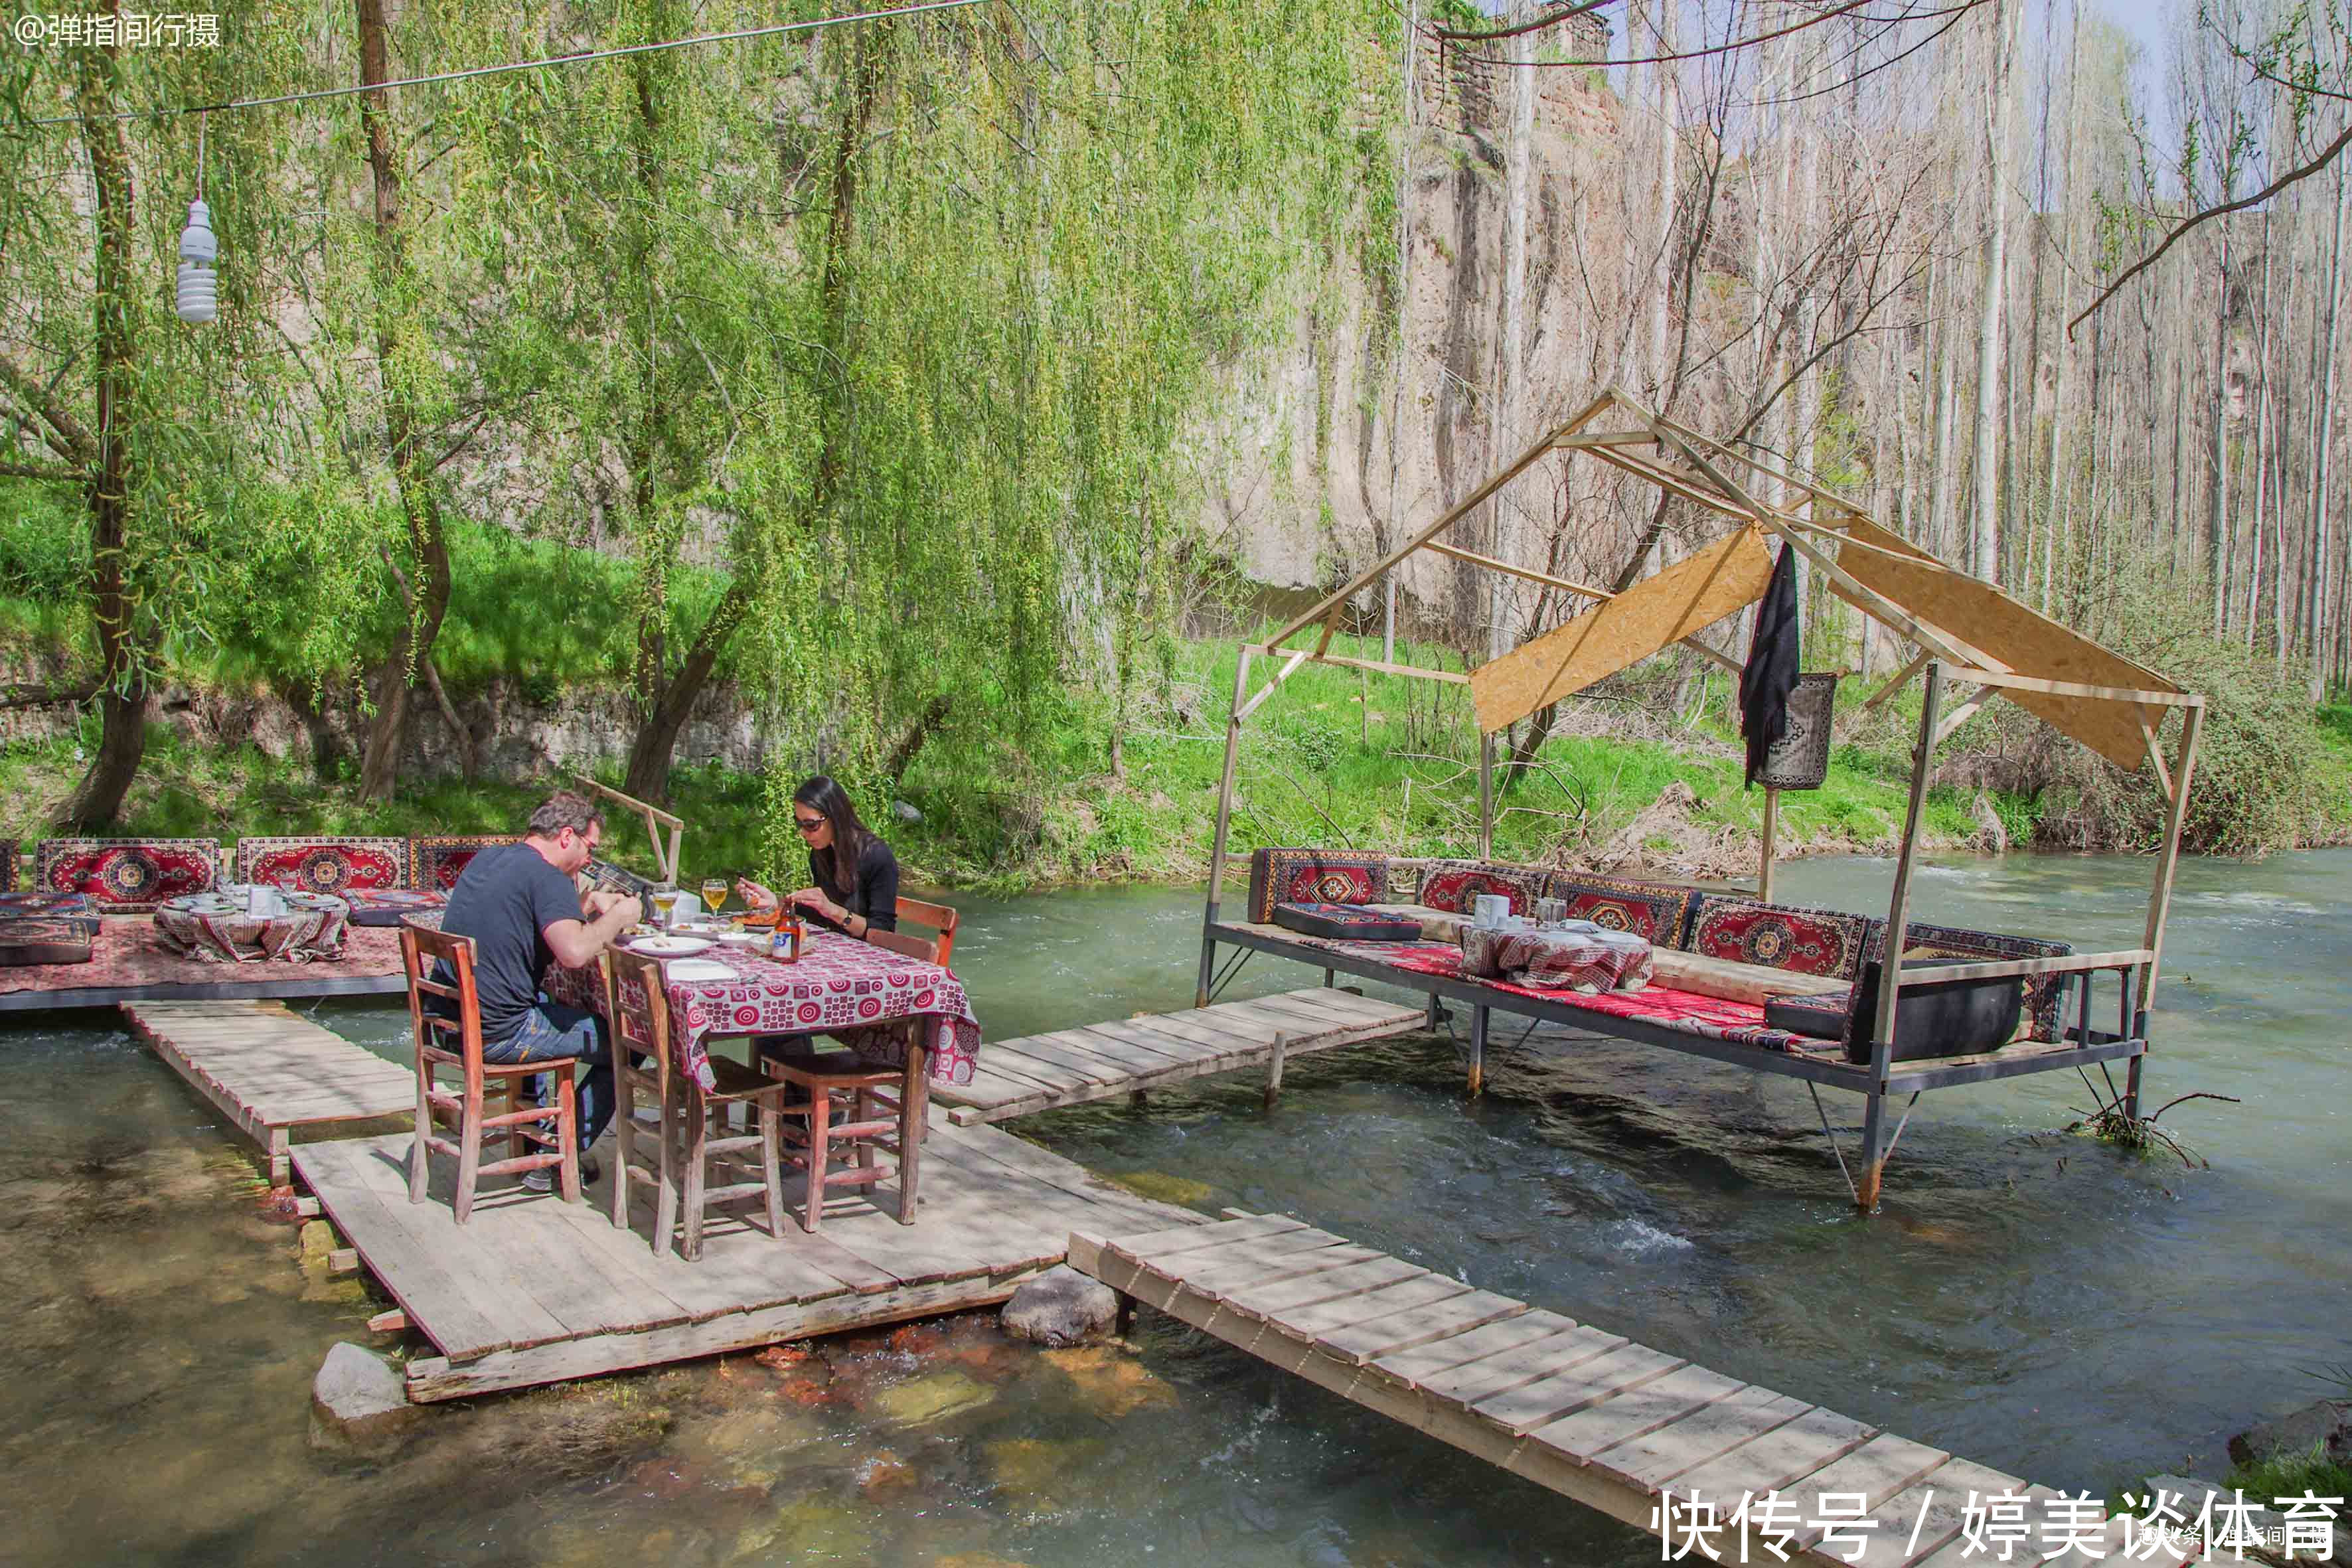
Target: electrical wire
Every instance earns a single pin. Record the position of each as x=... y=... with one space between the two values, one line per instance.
x=580 y=58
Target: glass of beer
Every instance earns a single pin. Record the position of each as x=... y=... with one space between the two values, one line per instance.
x=665 y=900
x=714 y=893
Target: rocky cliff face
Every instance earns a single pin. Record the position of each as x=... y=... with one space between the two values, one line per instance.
x=1299 y=471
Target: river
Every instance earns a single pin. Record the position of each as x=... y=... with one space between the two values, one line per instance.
x=2038 y=1303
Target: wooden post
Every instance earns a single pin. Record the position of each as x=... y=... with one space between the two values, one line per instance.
x=1890 y=976
x=1764 y=861
x=1273 y=1070
x=1477 y=1051
x=1224 y=825
x=2159 y=902
x=1486 y=797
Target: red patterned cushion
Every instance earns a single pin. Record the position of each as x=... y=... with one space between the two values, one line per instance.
x=390 y=906
x=434 y=864
x=1654 y=912
x=1314 y=877
x=332 y=866
x=45 y=939
x=1780 y=936
x=1450 y=885
x=1346 y=922
x=126 y=875
x=7 y=864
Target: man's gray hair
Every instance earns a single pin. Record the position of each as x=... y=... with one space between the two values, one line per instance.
x=564 y=808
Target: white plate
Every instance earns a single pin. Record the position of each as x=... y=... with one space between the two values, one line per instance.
x=669 y=946
x=698 y=969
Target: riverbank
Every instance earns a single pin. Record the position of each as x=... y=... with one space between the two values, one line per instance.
x=1112 y=789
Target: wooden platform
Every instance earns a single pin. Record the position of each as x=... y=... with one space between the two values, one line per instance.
x=534 y=1290
x=270 y=1072
x=1071 y=1067
x=1572 y=1406
x=133 y=964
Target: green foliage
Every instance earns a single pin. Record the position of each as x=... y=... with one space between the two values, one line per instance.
x=2293 y=1475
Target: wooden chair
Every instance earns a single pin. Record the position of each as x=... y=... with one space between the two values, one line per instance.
x=881 y=1110
x=688 y=1148
x=635 y=1032
x=457 y=1045
x=938 y=917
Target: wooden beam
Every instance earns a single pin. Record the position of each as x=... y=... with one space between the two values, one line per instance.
x=1377 y=666
x=1224 y=823
x=1606 y=438
x=2006 y=678
x=1961 y=712
x=2156 y=758
x=1890 y=976
x=1530 y=573
x=1902 y=679
x=1299 y=656
x=1666 y=480
x=654 y=818
x=1487 y=795
x=1371 y=573
x=2159 y=904
x=1764 y=861
x=2006 y=968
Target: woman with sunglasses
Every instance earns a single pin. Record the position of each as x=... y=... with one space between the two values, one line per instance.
x=855 y=875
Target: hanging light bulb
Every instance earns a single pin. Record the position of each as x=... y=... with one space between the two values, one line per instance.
x=199 y=297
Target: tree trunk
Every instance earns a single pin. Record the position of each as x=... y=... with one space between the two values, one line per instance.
x=2217 y=502
x=124 y=650
x=1985 y=537
x=2323 y=442
x=419 y=502
x=655 y=742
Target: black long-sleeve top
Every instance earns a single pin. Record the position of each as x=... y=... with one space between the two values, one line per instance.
x=874 y=896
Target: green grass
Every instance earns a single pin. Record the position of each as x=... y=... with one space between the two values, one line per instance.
x=1314 y=769
x=2290 y=1475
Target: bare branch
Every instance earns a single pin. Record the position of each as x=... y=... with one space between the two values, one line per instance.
x=2195 y=220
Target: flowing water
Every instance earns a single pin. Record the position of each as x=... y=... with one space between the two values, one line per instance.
x=2031 y=1301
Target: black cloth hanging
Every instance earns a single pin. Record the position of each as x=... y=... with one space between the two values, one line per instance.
x=1772 y=659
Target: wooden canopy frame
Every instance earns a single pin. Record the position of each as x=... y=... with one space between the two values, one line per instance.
x=1966 y=630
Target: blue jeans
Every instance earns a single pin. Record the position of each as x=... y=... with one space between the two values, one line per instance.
x=554 y=1031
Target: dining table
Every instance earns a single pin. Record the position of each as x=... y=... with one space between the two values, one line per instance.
x=868 y=997
x=297 y=927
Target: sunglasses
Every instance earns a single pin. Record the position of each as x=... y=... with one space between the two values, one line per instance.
x=808 y=823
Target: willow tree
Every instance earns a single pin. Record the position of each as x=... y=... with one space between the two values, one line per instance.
x=1070 y=223
x=645 y=243
x=102 y=390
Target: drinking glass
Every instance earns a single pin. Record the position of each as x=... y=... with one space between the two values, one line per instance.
x=665 y=900
x=714 y=893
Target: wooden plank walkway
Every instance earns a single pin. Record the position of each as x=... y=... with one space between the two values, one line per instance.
x=534 y=1290
x=1097 y=1061
x=270 y=1072
x=1572 y=1406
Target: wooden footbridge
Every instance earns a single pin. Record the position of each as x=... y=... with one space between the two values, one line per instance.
x=536 y=1290
x=1586 y=1412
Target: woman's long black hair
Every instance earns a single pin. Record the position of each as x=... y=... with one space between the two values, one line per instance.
x=850 y=834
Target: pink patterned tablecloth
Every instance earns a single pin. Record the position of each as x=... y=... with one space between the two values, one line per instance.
x=215 y=927
x=841 y=987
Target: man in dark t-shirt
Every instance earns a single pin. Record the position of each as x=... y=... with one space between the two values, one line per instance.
x=518 y=904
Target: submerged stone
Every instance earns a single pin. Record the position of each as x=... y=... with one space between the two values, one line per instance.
x=1167 y=1189
x=814 y=1529
x=884 y=1474
x=931 y=1398
x=1062 y=1307
x=1113 y=1381
x=359 y=1399
x=2326 y=1423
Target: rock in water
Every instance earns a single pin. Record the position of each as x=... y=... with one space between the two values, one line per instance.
x=2328 y=1423
x=358 y=1398
x=1060 y=1308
